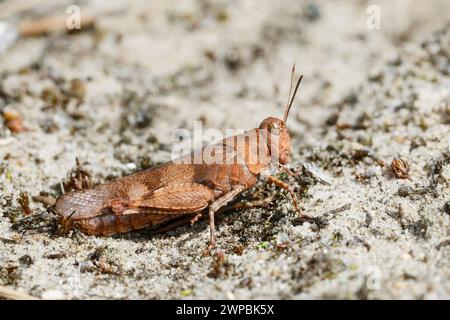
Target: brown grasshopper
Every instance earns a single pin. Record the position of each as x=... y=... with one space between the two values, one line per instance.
x=184 y=186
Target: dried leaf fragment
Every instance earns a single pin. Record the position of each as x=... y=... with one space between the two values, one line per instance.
x=400 y=168
x=13 y=121
x=77 y=88
x=24 y=202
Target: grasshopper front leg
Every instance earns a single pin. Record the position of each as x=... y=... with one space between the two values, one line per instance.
x=288 y=188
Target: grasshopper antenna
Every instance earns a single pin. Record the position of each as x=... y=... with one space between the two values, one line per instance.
x=291 y=99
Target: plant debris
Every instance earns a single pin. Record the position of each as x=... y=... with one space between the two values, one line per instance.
x=24 y=201
x=46 y=200
x=78 y=178
x=13 y=121
x=400 y=168
x=220 y=267
x=312 y=169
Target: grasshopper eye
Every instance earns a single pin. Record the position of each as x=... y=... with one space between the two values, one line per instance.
x=274 y=129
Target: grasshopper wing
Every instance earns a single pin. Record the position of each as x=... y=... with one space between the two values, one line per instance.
x=174 y=199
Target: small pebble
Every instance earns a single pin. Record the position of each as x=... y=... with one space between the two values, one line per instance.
x=238 y=224
x=131 y=166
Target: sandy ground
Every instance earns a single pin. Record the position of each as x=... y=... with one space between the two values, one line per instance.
x=112 y=97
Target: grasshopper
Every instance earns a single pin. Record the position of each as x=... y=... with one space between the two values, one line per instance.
x=185 y=187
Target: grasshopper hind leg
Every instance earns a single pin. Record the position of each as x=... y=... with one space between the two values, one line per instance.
x=212 y=230
x=214 y=207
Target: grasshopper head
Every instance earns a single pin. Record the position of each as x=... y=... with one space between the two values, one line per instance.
x=276 y=132
x=277 y=139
